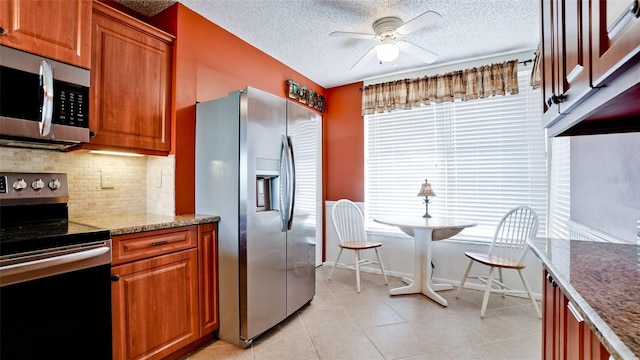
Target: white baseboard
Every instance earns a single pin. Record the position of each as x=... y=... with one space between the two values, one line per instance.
x=371 y=269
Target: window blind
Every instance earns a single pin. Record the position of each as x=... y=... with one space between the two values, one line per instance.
x=559 y=187
x=307 y=144
x=482 y=158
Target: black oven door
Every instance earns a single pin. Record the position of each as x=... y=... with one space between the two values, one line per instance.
x=64 y=315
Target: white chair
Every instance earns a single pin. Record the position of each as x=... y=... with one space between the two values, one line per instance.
x=507 y=251
x=348 y=222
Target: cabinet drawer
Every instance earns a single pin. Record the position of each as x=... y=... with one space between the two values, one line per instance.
x=143 y=245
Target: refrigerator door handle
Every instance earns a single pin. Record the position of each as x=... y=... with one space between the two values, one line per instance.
x=284 y=184
x=291 y=182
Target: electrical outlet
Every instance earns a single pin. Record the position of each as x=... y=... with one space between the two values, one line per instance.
x=157 y=179
x=106 y=179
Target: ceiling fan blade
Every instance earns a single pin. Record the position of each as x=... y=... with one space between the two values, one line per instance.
x=429 y=18
x=366 y=58
x=353 y=35
x=417 y=51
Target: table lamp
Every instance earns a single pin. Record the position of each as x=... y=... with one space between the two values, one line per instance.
x=426 y=191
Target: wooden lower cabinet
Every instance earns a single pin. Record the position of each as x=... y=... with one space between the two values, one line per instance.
x=564 y=332
x=208 y=270
x=155 y=305
x=164 y=292
x=553 y=321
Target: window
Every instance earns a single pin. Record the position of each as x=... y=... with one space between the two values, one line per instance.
x=482 y=157
x=559 y=187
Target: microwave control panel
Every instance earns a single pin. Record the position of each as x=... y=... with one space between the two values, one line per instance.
x=71 y=104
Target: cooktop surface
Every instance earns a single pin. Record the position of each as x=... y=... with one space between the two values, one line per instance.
x=17 y=238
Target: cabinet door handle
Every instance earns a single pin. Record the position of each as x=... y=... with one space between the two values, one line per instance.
x=2 y=31
x=574 y=312
x=631 y=11
x=555 y=99
x=115 y=278
x=552 y=100
x=158 y=243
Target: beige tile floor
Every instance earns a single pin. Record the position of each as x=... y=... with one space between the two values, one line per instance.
x=341 y=324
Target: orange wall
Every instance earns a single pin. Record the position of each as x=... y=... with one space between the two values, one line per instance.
x=344 y=144
x=209 y=63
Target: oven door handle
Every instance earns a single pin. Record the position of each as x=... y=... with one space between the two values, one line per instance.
x=50 y=262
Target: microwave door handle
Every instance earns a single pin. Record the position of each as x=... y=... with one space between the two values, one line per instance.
x=46 y=76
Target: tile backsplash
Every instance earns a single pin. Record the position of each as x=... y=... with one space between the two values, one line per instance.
x=140 y=184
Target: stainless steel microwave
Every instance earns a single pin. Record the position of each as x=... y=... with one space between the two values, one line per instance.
x=43 y=103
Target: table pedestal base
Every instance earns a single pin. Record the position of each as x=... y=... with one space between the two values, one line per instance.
x=422 y=271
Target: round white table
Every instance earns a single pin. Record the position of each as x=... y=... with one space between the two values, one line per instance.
x=425 y=230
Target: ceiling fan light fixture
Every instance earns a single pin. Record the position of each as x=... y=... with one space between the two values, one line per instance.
x=388 y=51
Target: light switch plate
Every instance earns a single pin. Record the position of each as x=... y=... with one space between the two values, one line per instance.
x=157 y=179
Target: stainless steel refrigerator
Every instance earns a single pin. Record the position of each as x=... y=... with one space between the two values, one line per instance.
x=258 y=168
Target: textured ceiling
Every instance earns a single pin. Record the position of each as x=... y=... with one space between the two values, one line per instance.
x=296 y=32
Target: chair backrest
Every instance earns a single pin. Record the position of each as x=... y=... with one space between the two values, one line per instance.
x=348 y=221
x=510 y=238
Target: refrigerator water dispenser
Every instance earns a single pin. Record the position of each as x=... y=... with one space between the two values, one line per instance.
x=267 y=174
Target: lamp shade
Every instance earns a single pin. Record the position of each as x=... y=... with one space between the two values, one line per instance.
x=425 y=189
x=388 y=51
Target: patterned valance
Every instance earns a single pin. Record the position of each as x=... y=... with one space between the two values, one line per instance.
x=535 y=71
x=474 y=83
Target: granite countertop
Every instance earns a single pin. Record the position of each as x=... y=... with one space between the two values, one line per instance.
x=603 y=281
x=129 y=224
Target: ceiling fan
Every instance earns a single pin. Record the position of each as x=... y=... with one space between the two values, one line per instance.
x=388 y=30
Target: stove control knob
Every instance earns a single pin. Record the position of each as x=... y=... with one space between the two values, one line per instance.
x=37 y=185
x=54 y=184
x=19 y=185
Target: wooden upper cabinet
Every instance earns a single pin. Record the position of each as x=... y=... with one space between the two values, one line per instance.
x=60 y=30
x=565 y=50
x=130 y=83
x=548 y=54
x=615 y=36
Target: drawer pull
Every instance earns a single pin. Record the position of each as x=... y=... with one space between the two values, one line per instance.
x=575 y=312
x=158 y=243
